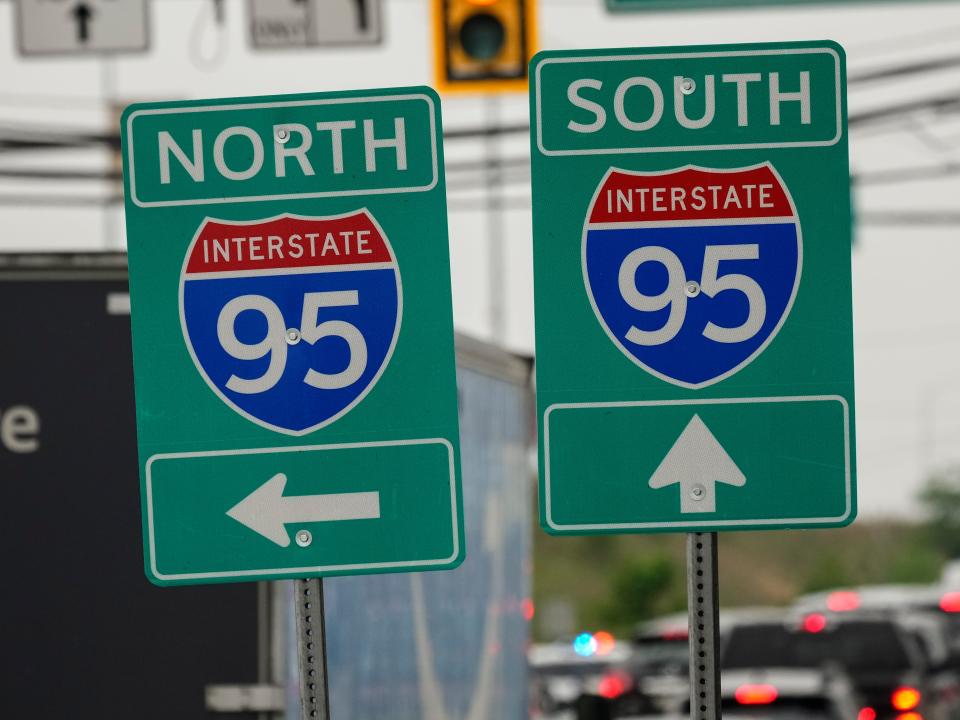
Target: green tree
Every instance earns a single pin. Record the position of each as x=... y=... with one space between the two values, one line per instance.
x=829 y=571
x=940 y=498
x=639 y=589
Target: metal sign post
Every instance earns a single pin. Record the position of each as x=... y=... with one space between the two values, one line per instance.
x=312 y=649
x=703 y=606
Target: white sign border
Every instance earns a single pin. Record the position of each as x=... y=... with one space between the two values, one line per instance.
x=678 y=56
x=287 y=196
x=293 y=571
x=696 y=525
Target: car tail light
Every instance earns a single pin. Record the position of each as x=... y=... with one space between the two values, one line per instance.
x=950 y=602
x=843 y=601
x=910 y=716
x=905 y=698
x=814 y=623
x=526 y=607
x=756 y=694
x=867 y=713
x=613 y=685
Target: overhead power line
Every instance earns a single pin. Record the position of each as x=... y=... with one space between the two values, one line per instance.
x=912 y=218
x=22 y=138
x=908 y=174
x=507 y=171
x=905 y=69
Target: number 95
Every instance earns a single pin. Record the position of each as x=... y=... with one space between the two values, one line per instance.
x=277 y=339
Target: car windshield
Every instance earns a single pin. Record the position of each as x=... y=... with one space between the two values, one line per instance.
x=572 y=669
x=657 y=654
x=857 y=646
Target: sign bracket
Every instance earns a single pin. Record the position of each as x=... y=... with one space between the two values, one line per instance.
x=312 y=649
x=703 y=606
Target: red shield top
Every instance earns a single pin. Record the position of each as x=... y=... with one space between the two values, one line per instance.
x=288 y=242
x=690 y=194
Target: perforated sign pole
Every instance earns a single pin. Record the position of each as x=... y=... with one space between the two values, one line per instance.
x=703 y=606
x=312 y=649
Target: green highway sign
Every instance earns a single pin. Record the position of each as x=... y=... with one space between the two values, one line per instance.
x=293 y=336
x=691 y=217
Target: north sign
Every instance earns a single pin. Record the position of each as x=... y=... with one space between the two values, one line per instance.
x=293 y=339
x=692 y=241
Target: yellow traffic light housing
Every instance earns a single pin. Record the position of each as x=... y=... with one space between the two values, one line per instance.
x=483 y=46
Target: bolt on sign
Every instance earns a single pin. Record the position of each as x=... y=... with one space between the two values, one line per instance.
x=691 y=216
x=293 y=336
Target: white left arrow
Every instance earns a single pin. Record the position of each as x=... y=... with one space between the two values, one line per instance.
x=266 y=510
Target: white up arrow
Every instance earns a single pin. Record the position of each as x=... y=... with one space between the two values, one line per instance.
x=266 y=510
x=698 y=462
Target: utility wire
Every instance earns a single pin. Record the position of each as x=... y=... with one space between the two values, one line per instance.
x=518 y=172
x=896 y=71
x=908 y=174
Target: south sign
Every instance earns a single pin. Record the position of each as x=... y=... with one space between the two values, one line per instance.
x=691 y=217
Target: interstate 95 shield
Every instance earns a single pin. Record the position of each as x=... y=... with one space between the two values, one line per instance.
x=291 y=320
x=692 y=272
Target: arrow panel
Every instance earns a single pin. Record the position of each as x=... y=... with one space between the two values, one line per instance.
x=673 y=466
x=351 y=509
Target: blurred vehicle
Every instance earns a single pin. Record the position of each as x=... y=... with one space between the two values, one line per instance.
x=654 y=678
x=885 y=659
x=878 y=598
x=788 y=694
x=899 y=601
x=560 y=671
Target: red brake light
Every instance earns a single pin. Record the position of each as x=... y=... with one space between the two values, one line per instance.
x=867 y=713
x=950 y=602
x=674 y=635
x=614 y=684
x=905 y=698
x=843 y=601
x=814 y=623
x=756 y=694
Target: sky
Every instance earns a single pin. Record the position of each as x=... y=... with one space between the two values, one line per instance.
x=907 y=332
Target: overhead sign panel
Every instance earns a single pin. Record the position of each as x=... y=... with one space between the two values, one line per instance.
x=691 y=239
x=293 y=340
x=315 y=23
x=48 y=27
x=641 y=5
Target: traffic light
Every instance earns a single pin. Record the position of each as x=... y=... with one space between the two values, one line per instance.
x=483 y=45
